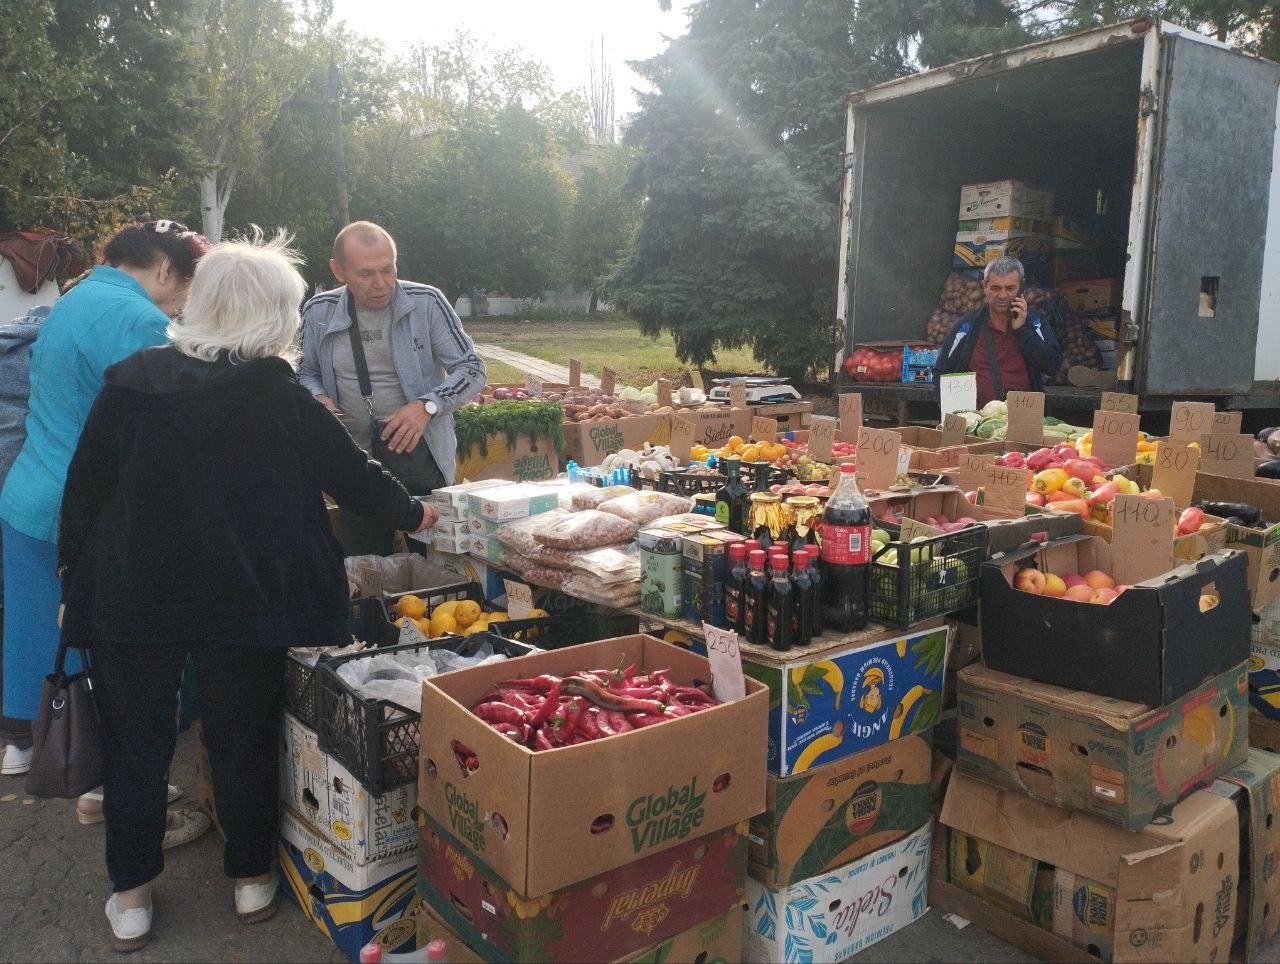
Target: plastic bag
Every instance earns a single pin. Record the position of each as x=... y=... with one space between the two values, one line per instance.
x=546 y=576
x=390 y=676
x=623 y=595
x=311 y=655
x=590 y=529
x=519 y=536
x=611 y=564
x=403 y=572
x=593 y=499
x=643 y=508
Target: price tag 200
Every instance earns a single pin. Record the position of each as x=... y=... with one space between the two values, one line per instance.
x=877 y=458
x=519 y=599
x=725 y=657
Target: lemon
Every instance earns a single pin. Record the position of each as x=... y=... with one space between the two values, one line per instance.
x=466 y=613
x=424 y=626
x=446 y=607
x=442 y=623
x=476 y=627
x=497 y=617
x=410 y=606
x=537 y=614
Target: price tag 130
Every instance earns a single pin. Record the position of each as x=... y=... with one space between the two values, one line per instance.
x=727 y=679
x=877 y=458
x=1142 y=531
x=1174 y=471
x=519 y=599
x=822 y=436
x=850 y=417
x=1189 y=420
x=958 y=392
x=1115 y=437
x=1026 y=418
x=1229 y=455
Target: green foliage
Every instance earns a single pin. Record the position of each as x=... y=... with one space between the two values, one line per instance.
x=603 y=218
x=476 y=424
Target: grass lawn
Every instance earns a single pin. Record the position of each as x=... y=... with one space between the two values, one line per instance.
x=606 y=339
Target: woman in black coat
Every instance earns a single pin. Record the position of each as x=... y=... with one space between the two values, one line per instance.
x=193 y=523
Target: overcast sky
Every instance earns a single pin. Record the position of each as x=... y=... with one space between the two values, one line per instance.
x=557 y=32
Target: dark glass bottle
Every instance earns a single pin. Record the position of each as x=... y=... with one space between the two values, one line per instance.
x=755 y=616
x=804 y=601
x=735 y=587
x=815 y=577
x=731 y=500
x=781 y=602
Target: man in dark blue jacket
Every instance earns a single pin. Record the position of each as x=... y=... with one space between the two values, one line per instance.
x=1003 y=344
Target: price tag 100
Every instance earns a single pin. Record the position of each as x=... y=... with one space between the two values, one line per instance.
x=1229 y=455
x=1174 y=471
x=1189 y=420
x=958 y=392
x=1141 y=537
x=850 y=417
x=822 y=436
x=727 y=679
x=972 y=473
x=1026 y=417
x=1115 y=437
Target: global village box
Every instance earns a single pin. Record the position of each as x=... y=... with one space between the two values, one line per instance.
x=830 y=701
x=350 y=903
x=826 y=817
x=603 y=918
x=549 y=819
x=829 y=917
x=1125 y=763
x=1254 y=787
x=1164 y=893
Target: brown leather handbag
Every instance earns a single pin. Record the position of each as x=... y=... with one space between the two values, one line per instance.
x=67 y=735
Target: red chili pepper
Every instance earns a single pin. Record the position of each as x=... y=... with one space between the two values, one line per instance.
x=604 y=725
x=541 y=684
x=639 y=720
x=619 y=722
x=676 y=709
x=639 y=692
x=498 y=713
x=540 y=741
x=689 y=696
x=589 y=723
x=605 y=699
x=520 y=700
x=543 y=711
x=508 y=730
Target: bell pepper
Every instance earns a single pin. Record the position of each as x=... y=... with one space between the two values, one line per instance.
x=1050 y=480
x=1075 y=487
x=1104 y=494
x=1079 y=506
x=1125 y=486
x=1190 y=521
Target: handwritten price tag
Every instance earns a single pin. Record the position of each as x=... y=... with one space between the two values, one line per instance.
x=1174 y=471
x=764 y=428
x=1227 y=423
x=959 y=392
x=609 y=381
x=878 y=456
x=850 y=417
x=1189 y=420
x=1115 y=437
x=1229 y=455
x=664 y=393
x=534 y=387
x=683 y=431
x=822 y=436
x=953 y=430
x=1119 y=402
x=738 y=394
x=727 y=679
x=519 y=599
x=1141 y=537
x=1005 y=488
x=1026 y=417
x=409 y=632
x=575 y=373
x=972 y=472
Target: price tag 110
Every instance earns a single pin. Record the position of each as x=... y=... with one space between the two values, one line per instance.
x=764 y=428
x=1174 y=471
x=737 y=393
x=1142 y=532
x=519 y=599
x=1189 y=420
x=850 y=417
x=822 y=436
x=1115 y=437
x=958 y=392
x=1229 y=455
x=953 y=429
x=1026 y=417
x=727 y=679
x=682 y=432
x=1005 y=488
x=609 y=381
x=575 y=373
x=877 y=458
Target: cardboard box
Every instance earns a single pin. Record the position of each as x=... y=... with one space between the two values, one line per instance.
x=717 y=941
x=528 y=460
x=1008 y=534
x=977 y=249
x=1264 y=733
x=488 y=550
x=1090 y=297
x=930 y=455
x=1262 y=545
x=350 y=904
x=826 y=817
x=1265 y=639
x=715 y=426
x=587 y=443
x=321 y=790
x=832 y=916
x=603 y=918
x=452 y=501
x=1030 y=225
x=1074 y=265
x=966 y=640
x=1074 y=234
x=1124 y=763
x=1165 y=893
x=999 y=199
x=575 y=812
x=705 y=560
x=831 y=701
x=1151 y=645
x=489 y=578
x=1254 y=787
x=508 y=503
x=431 y=927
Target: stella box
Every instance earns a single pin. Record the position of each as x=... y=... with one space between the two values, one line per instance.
x=828 y=702
x=832 y=916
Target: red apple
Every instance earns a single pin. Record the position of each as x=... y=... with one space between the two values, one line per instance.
x=1074 y=579
x=1104 y=597
x=1030 y=580
x=1097 y=579
x=1079 y=593
x=1035 y=498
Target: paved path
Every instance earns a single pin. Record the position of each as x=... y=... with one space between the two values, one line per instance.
x=542 y=370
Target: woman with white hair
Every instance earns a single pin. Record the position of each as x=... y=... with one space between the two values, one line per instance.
x=193 y=523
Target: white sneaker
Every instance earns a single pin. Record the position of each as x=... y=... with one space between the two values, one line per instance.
x=130 y=929
x=16 y=761
x=257 y=902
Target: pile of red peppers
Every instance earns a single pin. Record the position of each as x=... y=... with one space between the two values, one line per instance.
x=549 y=711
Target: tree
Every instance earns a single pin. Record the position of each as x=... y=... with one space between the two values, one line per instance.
x=600 y=98
x=602 y=220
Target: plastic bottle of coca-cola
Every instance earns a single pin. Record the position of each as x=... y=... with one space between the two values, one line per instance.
x=846 y=555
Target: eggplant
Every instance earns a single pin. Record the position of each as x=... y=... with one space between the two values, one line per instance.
x=1249 y=515
x=1266 y=433
x=1269 y=470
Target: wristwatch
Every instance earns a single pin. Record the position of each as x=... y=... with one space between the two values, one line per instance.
x=432 y=408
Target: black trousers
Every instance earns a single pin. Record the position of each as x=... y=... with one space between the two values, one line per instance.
x=241 y=690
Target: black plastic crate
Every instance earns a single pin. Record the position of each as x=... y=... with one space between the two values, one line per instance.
x=686 y=485
x=942 y=579
x=382 y=753
x=549 y=632
x=457 y=591
x=367 y=622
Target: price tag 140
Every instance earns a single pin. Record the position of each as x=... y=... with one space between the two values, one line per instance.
x=1229 y=455
x=764 y=428
x=727 y=679
x=682 y=432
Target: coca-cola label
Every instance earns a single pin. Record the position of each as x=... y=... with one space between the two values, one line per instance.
x=846 y=545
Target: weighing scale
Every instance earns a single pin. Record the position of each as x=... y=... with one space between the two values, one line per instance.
x=760 y=391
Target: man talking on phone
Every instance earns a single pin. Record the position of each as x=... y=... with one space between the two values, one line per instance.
x=1002 y=343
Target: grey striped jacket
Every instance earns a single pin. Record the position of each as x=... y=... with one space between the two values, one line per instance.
x=434 y=357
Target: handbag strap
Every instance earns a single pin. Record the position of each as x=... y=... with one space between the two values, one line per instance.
x=357 y=355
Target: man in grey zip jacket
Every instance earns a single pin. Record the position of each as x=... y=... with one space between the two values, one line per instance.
x=421 y=365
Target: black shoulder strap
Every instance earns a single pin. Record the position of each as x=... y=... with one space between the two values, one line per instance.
x=357 y=355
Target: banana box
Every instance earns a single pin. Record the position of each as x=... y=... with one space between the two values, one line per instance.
x=828 y=702
x=1124 y=763
x=350 y=903
x=1254 y=787
x=825 y=817
x=1264 y=732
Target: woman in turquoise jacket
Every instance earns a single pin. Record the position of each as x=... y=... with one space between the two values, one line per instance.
x=121 y=307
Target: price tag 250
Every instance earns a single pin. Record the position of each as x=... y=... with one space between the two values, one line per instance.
x=725 y=657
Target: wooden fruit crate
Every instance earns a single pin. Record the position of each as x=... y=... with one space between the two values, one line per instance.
x=791 y=416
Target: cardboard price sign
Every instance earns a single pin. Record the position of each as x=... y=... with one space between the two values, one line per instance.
x=1229 y=455
x=1142 y=532
x=1115 y=437
x=1189 y=420
x=1174 y=471
x=409 y=632
x=683 y=431
x=912 y=529
x=850 y=417
x=664 y=393
x=958 y=392
x=738 y=394
x=822 y=435
x=1026 y=418
x=764 y=428
x=878 y=456
x=1005 y=488
x=1119 y=402
x=972 y=473
x=575 y=373
x=1227 y=423
x=534 y=387
x=519 y=599
x=725 y=657
x=953 y=429
x=609 y=381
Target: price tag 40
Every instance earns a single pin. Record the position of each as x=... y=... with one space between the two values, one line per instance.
x=725 y=657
